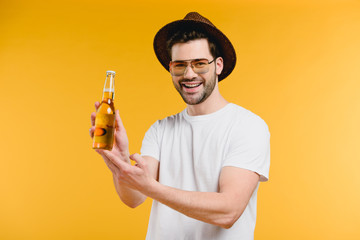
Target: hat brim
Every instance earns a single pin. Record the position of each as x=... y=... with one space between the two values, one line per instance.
x=226 y=49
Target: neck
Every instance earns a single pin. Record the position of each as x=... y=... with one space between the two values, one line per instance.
x=212 y=104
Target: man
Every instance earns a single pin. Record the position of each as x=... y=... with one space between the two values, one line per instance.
x=202 y=166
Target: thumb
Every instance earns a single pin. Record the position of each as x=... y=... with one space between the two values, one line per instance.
x=138 y=159
x=118 y=122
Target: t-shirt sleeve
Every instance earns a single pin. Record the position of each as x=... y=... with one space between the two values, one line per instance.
x=249 y=147
x=150 y=144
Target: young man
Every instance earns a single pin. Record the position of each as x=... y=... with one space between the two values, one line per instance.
x=202 y=166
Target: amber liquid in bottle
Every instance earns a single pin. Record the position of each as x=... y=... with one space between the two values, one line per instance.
x=105 y=116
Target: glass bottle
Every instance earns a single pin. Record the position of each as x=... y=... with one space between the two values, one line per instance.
x=105 y=116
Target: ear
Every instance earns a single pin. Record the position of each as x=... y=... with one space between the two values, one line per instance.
x=219 y=65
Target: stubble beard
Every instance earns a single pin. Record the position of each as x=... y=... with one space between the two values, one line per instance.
x=197 y=98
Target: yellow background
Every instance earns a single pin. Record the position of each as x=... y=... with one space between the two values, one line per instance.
x=298 y=68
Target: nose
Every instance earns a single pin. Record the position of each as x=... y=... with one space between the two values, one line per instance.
x=189 y=72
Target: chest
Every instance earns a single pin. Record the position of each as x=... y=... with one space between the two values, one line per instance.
x=191 y=155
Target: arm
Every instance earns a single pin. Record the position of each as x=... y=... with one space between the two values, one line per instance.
x=220 y=208
x=120 y=151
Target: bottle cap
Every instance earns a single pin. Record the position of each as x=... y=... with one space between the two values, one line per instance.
x=110 y=72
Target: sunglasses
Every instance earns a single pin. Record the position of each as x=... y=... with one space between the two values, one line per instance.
x=199 y=66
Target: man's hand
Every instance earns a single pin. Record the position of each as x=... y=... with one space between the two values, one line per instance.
x=145 y=174
x=139 y=177
x=121 y=143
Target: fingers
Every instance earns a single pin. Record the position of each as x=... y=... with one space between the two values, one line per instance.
x=114 y=159
x=93 y=114
x=97 y=104
x=92 y=119
x=116 y=171
x=140 y=161
x=91 y=131
x=111 y=166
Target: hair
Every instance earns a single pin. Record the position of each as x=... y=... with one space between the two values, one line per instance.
x=185 y=35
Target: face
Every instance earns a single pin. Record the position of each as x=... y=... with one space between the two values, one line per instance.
x=195 y=88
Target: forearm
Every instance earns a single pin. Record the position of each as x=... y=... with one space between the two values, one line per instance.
x=129 y=196
x=211 y=207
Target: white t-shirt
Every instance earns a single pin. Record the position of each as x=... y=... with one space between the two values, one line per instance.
x=192 y=150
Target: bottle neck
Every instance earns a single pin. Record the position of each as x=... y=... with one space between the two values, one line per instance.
x=108 y=95
x=109 y=87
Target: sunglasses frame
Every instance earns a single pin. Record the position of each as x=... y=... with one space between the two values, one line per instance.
x=191 y=63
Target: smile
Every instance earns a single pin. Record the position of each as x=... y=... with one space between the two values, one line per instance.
x=191 y=85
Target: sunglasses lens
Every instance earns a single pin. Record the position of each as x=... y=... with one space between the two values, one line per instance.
x=199 y=66
x=177 y=68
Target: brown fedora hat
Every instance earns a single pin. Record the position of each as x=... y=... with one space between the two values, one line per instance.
x=194 y=20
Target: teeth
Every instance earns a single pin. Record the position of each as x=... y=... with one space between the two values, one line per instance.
x=192 y=85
